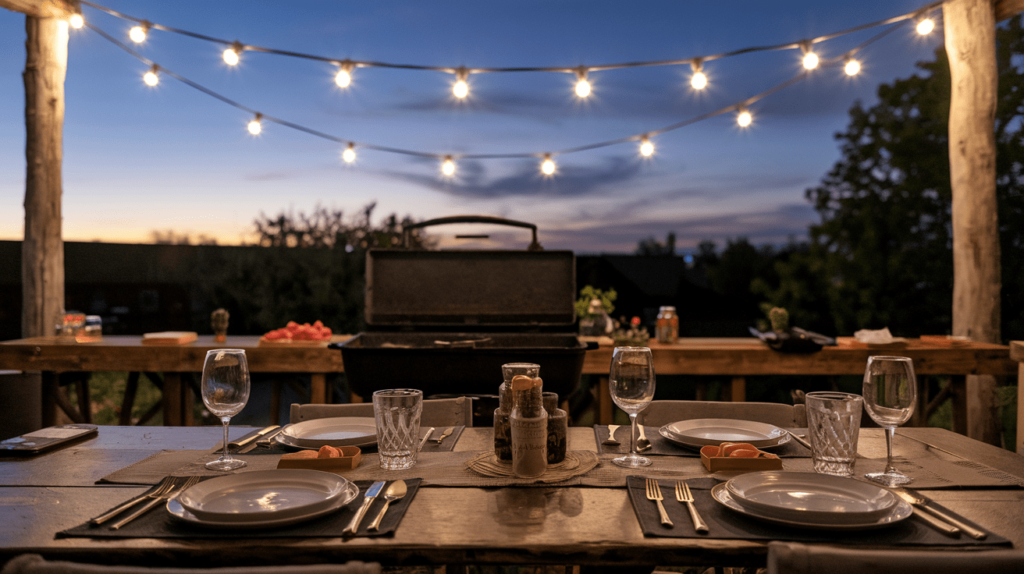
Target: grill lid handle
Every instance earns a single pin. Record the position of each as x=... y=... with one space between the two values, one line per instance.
x=534 y=246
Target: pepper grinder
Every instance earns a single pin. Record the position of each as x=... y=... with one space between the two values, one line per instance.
x=558 y=428
x=529 y=422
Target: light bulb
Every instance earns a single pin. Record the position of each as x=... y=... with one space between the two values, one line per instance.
x=150 y=77
x=810 y=61
x=231 y=57
x=852 y=67
x=448 y=167
x=343 y=78
x=583 y=88
x=460 y=89
x=646 y=147
x=547 y=167
x=76 y=21
x=699 y=81
x=744 y=118
x=255 y=126
x=924 y=27
x=349 y=155
x=137 y=34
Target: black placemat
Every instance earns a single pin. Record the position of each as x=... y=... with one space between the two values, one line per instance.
x=662 y=446
x=448 y=445
x=724 y=523
x=158 y=523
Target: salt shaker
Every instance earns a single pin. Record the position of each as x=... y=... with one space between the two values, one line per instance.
x=529 y=422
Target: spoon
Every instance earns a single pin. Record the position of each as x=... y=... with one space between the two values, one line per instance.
x=394 y=492
x=642 y=443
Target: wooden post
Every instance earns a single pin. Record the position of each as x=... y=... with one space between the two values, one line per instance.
x=971 y=47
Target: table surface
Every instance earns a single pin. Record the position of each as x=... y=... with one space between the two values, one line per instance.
x=693 y=356
x=49 y=493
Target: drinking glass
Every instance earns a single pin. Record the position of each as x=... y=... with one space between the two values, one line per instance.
x=890 y=393
x=225 y=392
x=631 y=382
x=397 y=415
x=833 y=427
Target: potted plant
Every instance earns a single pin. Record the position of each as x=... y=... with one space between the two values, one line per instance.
x=593 y=308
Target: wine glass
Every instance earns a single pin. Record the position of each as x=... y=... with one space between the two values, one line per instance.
x=631 y=382
x=225 y=392
x=890 y=393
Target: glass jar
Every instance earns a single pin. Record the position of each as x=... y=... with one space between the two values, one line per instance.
x=667 y=327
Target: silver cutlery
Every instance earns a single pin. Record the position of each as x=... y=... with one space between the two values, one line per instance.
x=165 y=485
x=447 y=432
x=921 y=502
x=654 y=493
x=642 y=443
x=371 y=493
x=266 y=442
x=611 y=436
x=426 y=437
x=238 y=444
x=394 y=492
x=684 y=495
x=179 y=487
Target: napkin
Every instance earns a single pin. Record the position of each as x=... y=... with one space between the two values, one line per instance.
x=880 y=337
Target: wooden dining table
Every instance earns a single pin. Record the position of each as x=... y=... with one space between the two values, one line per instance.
x=49 y=493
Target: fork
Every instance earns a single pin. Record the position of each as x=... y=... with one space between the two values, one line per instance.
x=177 y=489
x=654 y=493
x=166 y=484
x=683 y=494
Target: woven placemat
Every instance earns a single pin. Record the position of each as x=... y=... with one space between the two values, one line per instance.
x=576 y=463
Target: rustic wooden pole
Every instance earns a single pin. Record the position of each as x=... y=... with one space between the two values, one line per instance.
x=971 y=47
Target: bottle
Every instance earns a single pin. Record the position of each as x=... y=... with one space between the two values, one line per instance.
x=667 y=327
x=558 y=428
x=502 y=428
x=529 y=422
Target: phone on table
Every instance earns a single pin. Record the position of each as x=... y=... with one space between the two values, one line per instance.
x=46 y=439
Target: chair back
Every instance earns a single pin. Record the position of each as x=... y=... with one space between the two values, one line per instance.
x=660 y=413
x=436 y=412
x=794 y=558
x=36 y=564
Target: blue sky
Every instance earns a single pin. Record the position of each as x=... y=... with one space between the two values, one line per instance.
x=138 y=159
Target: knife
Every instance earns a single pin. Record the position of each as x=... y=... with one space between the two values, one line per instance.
x=426 y=437
x=266 y=441
x=251 y=438
x=445 y=434
x=923 y=514
x=922 y=502
x=371 y=493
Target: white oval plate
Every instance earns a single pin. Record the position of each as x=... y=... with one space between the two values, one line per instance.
x=289 y=443
x=901 y=511
x=338 y=431
x=179 y=512
x=702 y=432
x=263 y=495
x=811 y=497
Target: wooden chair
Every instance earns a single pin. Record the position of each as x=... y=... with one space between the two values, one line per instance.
x=660 y=413
x=436 y=412
x=794 y=558
x=36 y=564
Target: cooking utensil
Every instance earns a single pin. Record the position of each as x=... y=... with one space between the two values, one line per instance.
x=394 y=492
x=611 y=436
x=921 y=502
x=684 y=495
x=181 y=484
x=426 y=437
x=166 y=484
x=447 y=432
x=239 y=444
x=642 y=443
x=654 y=493
x=371 y=493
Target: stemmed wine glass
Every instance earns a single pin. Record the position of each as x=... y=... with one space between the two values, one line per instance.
x=225 y=392
x=631 y=382
x=890 y=394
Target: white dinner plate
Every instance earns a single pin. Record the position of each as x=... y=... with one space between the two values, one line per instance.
x=811 y=497
x=339 y=431
x=901 y=511
x=179 y=512
x=263 y=495
x=701 y=432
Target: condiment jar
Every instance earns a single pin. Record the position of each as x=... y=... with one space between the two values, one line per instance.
x=529 y=422
x=558 y=428
x=667 y=326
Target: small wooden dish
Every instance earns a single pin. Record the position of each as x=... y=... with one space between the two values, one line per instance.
x=350 y=458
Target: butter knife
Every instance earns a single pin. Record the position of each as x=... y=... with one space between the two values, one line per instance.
x=371 y=493
x=426 y=437
x=447 y=432
x=251 y=438
x=922 y=502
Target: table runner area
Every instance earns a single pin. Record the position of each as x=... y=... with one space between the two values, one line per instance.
x=447 y=445
x=662 y=446
x=727 y=524
x=158 y=523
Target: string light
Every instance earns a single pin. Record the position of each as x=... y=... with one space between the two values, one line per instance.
x=699 y=80
x=448 y=166
x=925 y=26
x=138 y=33
x=231 y=55
x=582 y=85
x=76 y=20
x=547 y=167
x=150 y=77
x=349 y=155
x=256 y=126
x=852 y=67
x=646 y=147
x=461 y=88
x=744 y=118
x=344 y=76
x=810 y=60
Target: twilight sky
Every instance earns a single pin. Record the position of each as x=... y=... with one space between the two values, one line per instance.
x=138 y=159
